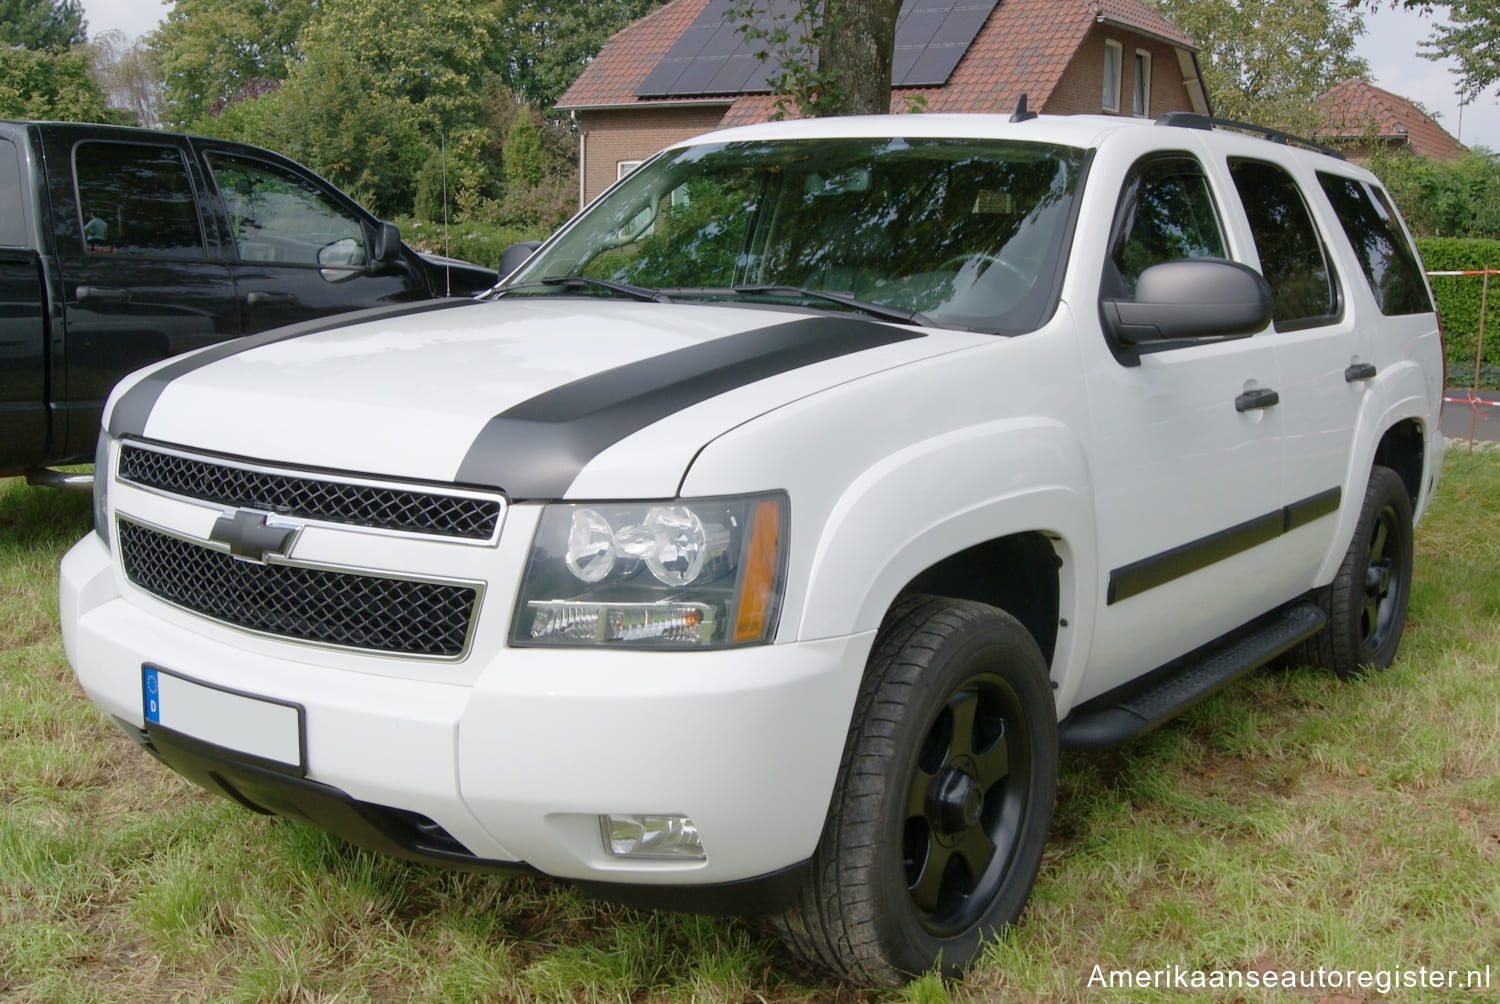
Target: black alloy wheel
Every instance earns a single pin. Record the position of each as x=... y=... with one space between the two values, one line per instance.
x=1366 y=602
x=943 y=799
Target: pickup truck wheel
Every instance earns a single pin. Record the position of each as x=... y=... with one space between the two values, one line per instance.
x=1366 y=602
x=943 y=801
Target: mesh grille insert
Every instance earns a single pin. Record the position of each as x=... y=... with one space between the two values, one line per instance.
x=311 y=497
x=307 y=604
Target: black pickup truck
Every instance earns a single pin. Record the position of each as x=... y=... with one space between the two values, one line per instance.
x=120 y=246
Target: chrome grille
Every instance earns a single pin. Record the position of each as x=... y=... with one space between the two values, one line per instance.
x=347 y=609
x=310 y=496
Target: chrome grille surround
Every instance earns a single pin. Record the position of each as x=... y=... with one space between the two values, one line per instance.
x=319 y=496
x=340 y=608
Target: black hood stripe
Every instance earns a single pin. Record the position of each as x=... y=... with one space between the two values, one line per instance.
x=134 y=408
x=536 y=449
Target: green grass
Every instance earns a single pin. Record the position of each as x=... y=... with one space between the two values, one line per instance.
x=1295 y=822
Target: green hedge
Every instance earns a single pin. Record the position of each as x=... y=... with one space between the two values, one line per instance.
x=1458 y=304
x=480 y=243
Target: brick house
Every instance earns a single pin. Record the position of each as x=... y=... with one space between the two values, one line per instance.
x=1361 y=118
x=682 y=70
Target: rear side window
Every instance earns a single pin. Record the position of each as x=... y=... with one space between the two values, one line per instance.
x=1292 y=257
x=12 y=225
x=1166 y=212
x=136 y=199
x=1385 y=257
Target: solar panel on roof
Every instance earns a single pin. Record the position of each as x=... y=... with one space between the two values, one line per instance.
x=713 y=56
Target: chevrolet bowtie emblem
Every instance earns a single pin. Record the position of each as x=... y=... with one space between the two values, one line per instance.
x=249 y=536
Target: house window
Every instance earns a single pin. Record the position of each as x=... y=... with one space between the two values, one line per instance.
x=1140 y=102
x=624 y=167
x=1113 y=56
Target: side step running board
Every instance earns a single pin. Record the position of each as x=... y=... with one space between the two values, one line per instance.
x=1207 y=674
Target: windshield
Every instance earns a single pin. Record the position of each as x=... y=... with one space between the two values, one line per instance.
x=964 y=233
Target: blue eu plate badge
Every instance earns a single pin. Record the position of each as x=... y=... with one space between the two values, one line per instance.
x=151 y=694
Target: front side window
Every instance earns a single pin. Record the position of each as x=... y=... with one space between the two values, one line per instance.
x=968 y=233
x=282 y=217
x=1385 y=257
x=1114 y=54
x=136 y=199
x=1292 y=258
x=1166 y=212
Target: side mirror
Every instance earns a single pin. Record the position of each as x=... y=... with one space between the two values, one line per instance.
x=1190 y=298
x=387 y=244
x=515 y=256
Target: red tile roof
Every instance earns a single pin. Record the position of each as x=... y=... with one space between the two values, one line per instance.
x=1023 y=48
x=1356 y=110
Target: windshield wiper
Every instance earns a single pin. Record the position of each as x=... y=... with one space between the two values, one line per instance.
x=879 y=310
x=589 y=282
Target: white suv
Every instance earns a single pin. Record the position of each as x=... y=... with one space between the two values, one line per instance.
x=759 y=543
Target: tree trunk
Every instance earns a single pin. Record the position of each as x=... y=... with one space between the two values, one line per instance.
x=859 y=41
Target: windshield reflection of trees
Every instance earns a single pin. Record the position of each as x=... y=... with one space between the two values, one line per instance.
x=960 y=230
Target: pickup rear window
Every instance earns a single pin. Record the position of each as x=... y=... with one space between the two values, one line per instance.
x=136 y=198
x=12 y=226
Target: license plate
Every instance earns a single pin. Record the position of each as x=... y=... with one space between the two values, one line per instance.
x=242 y=723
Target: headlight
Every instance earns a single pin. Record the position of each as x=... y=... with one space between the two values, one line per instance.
x=101 y=487
x=700 y=573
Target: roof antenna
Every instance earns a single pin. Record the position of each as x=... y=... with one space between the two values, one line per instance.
x=1021 y=114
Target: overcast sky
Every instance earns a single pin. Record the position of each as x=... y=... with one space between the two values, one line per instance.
x=1389 y=45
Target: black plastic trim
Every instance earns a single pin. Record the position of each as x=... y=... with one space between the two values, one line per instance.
x=536 y=449
x=1159 y=569
x=1145 y=704
x=1299 y=514
x=397 y=833
x=751 y=897
x=133 y=409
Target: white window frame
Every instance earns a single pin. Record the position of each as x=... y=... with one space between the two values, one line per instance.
x=1140 y=100
x=624 y=167
x=1111 y=95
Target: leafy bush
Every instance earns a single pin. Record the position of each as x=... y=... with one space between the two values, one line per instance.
x=1458 y=301
x=472 y=240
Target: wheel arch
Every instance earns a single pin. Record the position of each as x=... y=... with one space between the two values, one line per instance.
x=952 y=518
x=1395 y=430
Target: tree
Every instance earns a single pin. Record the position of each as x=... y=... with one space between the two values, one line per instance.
x=1472 y=40
x=542 y=45
x=45 y=85
x=43 y=25
x=1266 y=62
x=831 y=57
x=210 y=50
x=129 y=75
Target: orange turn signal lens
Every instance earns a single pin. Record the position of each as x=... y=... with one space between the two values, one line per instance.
x=758 y=587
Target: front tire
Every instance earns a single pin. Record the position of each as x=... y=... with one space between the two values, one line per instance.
x=943 y=801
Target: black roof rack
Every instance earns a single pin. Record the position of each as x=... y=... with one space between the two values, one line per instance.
x=1192 y=120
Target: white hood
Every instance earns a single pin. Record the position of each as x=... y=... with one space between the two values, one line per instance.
x=407 y=396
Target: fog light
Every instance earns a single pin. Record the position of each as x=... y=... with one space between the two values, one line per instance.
x=661 y=837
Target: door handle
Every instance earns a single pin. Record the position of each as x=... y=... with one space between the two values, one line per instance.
x=260 y=298
x=103 y=294
x=1360 y=371
x=1254 y=400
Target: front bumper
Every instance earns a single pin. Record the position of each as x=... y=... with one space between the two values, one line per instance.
x=509 y=759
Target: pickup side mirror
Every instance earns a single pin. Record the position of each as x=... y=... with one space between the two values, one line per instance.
x=387 y=244
x=514 y=256
x=1190 y=298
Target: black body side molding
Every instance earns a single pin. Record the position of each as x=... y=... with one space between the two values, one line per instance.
x=1159 y=569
